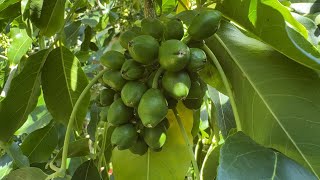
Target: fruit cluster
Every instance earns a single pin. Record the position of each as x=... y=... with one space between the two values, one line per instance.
x=157 y=70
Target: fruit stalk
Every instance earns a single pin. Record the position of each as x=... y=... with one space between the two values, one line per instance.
x=149 y=10
x=63 y=167
x=156 y=78
x=226 y=84
x=186 y=139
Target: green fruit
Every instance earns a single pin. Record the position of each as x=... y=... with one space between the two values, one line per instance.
x=107 y=97
x=104 y=114
x=197 y=89
x=193 y=103
x=152 y=27
x=152 y=108
x=112 y=60
x=198 y=59
x=176 y=84
x=126 y=37
x=132 y=70
x=132 y=92
x=174 y=55
x=114 y=79
x=155 y=137
x=119 y=113
x=144 y=49
x=174 y=29
x=124 y=136
x=205 y=24
x=140 y=147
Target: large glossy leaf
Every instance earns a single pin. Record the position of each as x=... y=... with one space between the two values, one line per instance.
x=19 y=45
x=19 y=159
x=172 y=162
x=86 y=171
x=273 y=23
x=210 y=164
x=9 y=9
x=39 y=145
x=30 y=173
x=242 y=158
x=278 y=100
x=22 y=96
x=225 y=118
x=6 y=165
x=63 y=80
x=47 y=15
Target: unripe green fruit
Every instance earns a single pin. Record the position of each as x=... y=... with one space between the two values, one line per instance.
x=174 y=29
x=205 y=24
x=140 y=147
x=197 y=90
x=112 y=59
x=126 y=37
x=198 y=59
x=152 y=108
x=124 y=136
x=107 y=97
x=155 y=137
x=176 y=84
x=132 y=92
x=193 y=103
x=119 y=113
x=104 y=114
x=174 y=55
x=114 y=79
x=144 y=49
x=132 y=70
x=152 y=27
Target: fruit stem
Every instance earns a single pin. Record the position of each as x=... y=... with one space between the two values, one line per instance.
x=62 y=170
x=156 y=78
x=186 y=139
x=186 y=39
x=149 y=10
x=105 y=127
x=226 y=84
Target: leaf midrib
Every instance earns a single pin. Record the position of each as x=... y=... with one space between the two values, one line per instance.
x=264 y=101
x=51 y=15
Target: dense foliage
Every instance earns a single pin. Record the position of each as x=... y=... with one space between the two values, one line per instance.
x=159 y=89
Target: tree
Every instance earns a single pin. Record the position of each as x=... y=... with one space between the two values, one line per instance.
x=159 y=89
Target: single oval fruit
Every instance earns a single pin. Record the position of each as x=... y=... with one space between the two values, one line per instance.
x=152 y=108
x=174 y=29
x=174 y=55
x=205 y=24
x=198 y=59
x=193 y=103
x=124 y=136
x=126 y=37
x=144 y=49
x=140 y=147
x=155 y=137
x=132 y=92
x=132 y=70
x=197 y=89
x=114 y=79
x=152 y=27
x=107 y=97
x=119 y=113
x=104 y=114
x=176 y=84
x=112 y=59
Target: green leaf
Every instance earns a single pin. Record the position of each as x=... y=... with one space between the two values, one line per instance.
x=210 y=163
x=72 y=32
x=39 y=145
x=16 y=154
x=19 y=45
x=9 y=9
x=94 y=121
x=77 y=148
x=86 y=171
x=273 y=23
x=242 y=158
x=29 y=173
x=277 y=99
x=6 y=165
x=225 y=118
x=172 y=162
x=168 y=6
x=22 y=96
x=63 y=80
x=47 y=15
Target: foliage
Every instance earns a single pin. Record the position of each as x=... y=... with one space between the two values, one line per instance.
x=248 y=108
